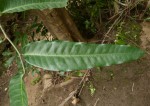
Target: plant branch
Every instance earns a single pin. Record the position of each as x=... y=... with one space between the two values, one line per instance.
x=78 y=90
x=13 y=47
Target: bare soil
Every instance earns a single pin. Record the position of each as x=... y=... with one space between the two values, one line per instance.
x=119 y=85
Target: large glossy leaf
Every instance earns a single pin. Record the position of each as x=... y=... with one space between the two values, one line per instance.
x=67 y=56
x=17 y=93
x=10 y=6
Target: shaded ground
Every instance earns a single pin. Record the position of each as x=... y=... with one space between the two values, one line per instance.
x=120 y=85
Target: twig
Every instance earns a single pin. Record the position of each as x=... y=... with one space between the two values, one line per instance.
x=81 y=88
x=116 y=6
x=13 y=47
x=131 y=6
x=77 y=91
x=83 y=82
x=112 y=26
x=132 y=87
x=121 y=3
x=85 y=75
x=68 y=98
x=96 y=102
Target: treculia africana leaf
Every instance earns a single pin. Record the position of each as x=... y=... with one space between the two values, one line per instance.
x=17 y=92
x=11 y=6
x=67 y=56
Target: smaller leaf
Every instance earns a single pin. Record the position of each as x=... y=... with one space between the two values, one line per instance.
x=35 y=71
x=92 y=89
x=17 y=92
x=9 y=61
x=78 y=74
x=147 y=19
x=7 y=53
x=36 y=80
x=24 y=40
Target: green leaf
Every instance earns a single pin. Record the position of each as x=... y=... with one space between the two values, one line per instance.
x=147 y=19
x=7 y=53
x=24 y=40
x=17 y=92
x=10 y=6
x=9 y=61
x=67 y=56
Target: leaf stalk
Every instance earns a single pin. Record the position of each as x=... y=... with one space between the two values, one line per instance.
x=5 y=35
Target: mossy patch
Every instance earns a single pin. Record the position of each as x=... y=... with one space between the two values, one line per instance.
x=128 y=32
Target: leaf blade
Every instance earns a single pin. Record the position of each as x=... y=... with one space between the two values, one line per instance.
x=17 y=92
x=10 y=6
x=67 y=56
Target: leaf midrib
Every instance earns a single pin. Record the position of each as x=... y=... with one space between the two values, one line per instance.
x=22 y=100
x=27 y=5
x=75 y=55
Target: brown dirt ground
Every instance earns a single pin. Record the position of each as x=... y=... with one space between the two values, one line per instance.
x=119 y=85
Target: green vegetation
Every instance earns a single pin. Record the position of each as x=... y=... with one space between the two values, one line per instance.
x=128 y=33
x=67 y=56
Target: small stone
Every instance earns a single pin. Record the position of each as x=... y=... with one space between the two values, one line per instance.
x=5 y=89
x=115 y=88
x=75 y=100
